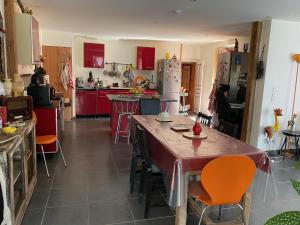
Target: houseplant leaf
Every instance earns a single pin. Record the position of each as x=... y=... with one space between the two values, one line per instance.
x=296 y=185
x=286 y=218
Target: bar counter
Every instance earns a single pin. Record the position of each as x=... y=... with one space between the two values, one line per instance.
x=116 y=100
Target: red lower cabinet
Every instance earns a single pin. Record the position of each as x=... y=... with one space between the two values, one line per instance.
x=86 y=103
x=96 y=102
x=103 y=104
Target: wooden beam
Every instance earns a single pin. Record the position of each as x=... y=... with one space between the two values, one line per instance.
x=251 y=78
x=10 y=27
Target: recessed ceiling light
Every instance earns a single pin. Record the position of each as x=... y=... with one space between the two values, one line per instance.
x=177 y=11
x=156 y=22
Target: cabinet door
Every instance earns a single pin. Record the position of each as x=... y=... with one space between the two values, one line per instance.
x=93 y=55
x=103 y=105
x=148 y=58
x=36 y=46
x=145 y=58
x=86 y=103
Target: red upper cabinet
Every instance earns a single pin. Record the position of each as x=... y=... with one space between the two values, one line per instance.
x=145 y=58
x=93 y=55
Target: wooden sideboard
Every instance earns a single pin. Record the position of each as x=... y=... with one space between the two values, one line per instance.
x=18 y=162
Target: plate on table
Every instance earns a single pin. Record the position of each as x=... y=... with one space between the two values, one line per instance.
x=163 y=120
x=191 y=135
x=179 y=127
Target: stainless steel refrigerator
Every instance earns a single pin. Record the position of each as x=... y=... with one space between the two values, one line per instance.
x=169 y=82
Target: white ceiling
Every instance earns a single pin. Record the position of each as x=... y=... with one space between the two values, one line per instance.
x=199 y=21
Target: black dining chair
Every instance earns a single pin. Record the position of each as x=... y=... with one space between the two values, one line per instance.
x=228 y=128
x=135 y=155
x=151 y=177
x=149 y=106
x=205 y=119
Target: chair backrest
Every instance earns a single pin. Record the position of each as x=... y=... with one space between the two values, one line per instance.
x=149 y=106
x=126 y=105
x=227 y=178
x=205 y=119
x=228 y=128
x=143 y=146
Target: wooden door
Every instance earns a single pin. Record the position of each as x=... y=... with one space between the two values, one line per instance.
x=54 y=59
x=188 y=82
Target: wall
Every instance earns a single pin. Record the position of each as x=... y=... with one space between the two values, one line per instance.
x=55 y=38
x=278 y=85
x=124 y=51
x=208 y=54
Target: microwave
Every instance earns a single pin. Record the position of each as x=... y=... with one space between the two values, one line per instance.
x=17 y=106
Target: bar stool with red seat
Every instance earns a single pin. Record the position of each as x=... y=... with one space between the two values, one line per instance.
x=46 y=140
x=224 y=181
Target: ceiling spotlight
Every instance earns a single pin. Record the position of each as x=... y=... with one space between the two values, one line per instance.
x=176 y=11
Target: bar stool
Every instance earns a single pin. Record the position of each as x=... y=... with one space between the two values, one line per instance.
x=125 y=108
x=46 y=140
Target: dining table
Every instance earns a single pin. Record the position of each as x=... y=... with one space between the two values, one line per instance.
x=179 y=157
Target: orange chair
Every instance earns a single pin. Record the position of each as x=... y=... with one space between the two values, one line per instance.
x=224 y=181
x=46 y=140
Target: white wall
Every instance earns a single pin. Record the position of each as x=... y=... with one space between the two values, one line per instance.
x=278 y=85
x=55 y=38
x=208 y=54
x=125 y=51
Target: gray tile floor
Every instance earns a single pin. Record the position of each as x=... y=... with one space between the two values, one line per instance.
x=94 y=189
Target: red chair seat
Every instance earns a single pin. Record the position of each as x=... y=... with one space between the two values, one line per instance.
x=45 y=139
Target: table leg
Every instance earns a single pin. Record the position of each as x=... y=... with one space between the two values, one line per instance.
x=296 y=147
x=283 y=146
x=181 y=212
x=246 y=204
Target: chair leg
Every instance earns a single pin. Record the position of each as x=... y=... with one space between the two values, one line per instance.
x=133 y=173
x=42 y=148
x=242 y=211
x=148 y=195
x=220 y=212
x=61 y=152
x=201 y=217
x=128 y=128
x=118 y=129
x=142 y=181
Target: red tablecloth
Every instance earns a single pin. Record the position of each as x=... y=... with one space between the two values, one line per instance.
x=176 y=155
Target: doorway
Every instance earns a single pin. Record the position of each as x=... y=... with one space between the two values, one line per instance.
x=188 y=81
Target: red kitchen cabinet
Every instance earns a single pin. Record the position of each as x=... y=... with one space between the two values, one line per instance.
x=103 y=103
x=86 y=103
x=93 y=55
x=145 y=58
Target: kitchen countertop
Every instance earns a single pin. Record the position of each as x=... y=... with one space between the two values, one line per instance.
x=120 y=98
x=104 y=88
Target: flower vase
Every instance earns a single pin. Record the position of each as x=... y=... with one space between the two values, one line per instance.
x=7 y=86
x=197 y=128
x=18 y=85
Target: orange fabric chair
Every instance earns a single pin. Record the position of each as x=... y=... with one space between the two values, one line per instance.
x=45 y=140
x=224 y=181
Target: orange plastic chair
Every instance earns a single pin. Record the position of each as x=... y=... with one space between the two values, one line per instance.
x=46 y=140
x=224 y=181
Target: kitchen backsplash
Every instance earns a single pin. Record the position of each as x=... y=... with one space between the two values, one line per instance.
x=107 y=80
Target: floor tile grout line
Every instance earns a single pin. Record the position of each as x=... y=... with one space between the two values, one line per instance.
x=50 y=189
x=118 y=174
